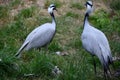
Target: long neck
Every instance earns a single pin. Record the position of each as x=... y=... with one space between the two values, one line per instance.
x=53 y=19
x=86 y=19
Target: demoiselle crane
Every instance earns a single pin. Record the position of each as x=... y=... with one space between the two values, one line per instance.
x=95 y=42
x=40 y=36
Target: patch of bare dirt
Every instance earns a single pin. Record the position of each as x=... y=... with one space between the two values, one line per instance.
x=40 y=3
x=61 y=11
x=3 y=2
x=27 y=4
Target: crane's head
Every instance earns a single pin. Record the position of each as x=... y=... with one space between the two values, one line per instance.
x=89 y=6
x=51 y=8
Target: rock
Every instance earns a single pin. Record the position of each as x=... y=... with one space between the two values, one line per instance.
x=56 y=71
x=61 y=53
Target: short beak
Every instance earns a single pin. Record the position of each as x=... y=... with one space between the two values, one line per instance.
x=55 y=9
x=85 y=4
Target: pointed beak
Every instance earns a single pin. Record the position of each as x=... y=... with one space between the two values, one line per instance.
x=55 y=9
x=85 y=4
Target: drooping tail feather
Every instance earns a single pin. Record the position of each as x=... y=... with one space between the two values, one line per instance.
x=105 y=57
x=106 y=53
x=21 y=49
x=110 y=58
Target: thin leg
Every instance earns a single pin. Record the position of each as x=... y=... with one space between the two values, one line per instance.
x=105 y=74
x=94 y=63
x=109 y=72
x=46 y=48
x=113 y=66
x=39 y=49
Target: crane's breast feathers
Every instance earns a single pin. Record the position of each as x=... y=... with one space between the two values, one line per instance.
x=91 y=43
x=41 y=31
x=41 y=36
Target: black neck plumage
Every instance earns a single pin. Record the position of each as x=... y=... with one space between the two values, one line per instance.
x=85 y=18
x=53 y=17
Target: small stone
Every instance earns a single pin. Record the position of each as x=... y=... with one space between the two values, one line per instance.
x=56 y=71
x=61 y=53
x=0 y=60
x=58 y=52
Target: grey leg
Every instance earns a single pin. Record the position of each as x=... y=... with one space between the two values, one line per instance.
x=94 y=65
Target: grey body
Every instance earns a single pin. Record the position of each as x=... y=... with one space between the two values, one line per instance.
x=95 y=42
x=41 y=36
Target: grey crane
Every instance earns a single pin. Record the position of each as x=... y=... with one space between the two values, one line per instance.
x=95 y=42
x=40 y=36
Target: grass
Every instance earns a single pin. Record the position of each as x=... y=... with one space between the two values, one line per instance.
x=76 y=66
x=8 y=67
x=71 y=14
x=26 y=13
x=77 y=6
x=114 y=4
x=48 y=2
x=3 y=11
x=15 y=3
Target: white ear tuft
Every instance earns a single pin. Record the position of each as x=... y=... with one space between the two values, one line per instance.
x=51 y=8
x=90 y=2
x=89 y=6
